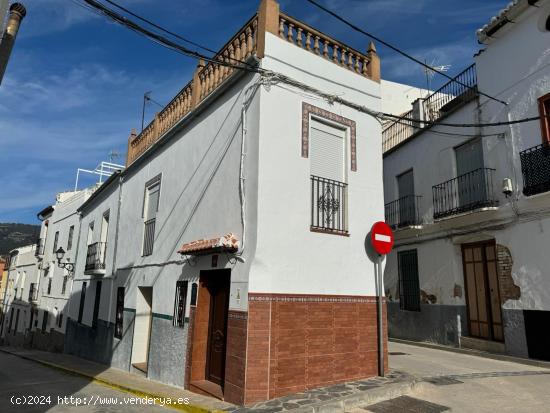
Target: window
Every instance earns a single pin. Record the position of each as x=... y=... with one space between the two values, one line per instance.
x=180 y=302
x=11 y=321
x=90 y=236
x=409 y=289
x=544 y=112
x=97 y=301
x=60 y=320
x=64 y=285
x=16 y=321
x=328 y=176
x=82 y=299
x=119 y=316
x=32 y=319
x=70 y=240
x=55 y=241
x=49 y=286
x=45 y=320
x=194 y=288
x=150 y=209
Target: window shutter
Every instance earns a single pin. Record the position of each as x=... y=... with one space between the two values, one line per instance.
x=327 y=151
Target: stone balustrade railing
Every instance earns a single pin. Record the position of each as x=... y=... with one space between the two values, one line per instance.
x=207 y=78
x=316 y=42
x=250 y=41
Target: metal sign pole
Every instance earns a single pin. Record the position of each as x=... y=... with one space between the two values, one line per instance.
x=380 y=319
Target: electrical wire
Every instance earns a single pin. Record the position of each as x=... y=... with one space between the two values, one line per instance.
x=270 y=75
x=395 y=49
x=156 y=26
x=118 y=18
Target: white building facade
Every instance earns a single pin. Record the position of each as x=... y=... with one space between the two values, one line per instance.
x=470 y=205
x=240 y=221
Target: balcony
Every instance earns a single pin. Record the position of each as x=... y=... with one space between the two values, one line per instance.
x=39 y=251
x=468 y=192
x=328 y=206
x=449 y=97
x=95 y=258
x=403 y=212
x=535 y=167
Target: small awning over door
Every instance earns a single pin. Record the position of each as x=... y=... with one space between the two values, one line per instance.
x=227 y=243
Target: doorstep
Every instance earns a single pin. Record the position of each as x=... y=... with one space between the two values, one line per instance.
x=479 y=344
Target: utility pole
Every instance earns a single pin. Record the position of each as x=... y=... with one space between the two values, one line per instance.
x=16 y=14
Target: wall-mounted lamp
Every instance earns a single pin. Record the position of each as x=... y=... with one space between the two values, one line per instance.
x=69 y=266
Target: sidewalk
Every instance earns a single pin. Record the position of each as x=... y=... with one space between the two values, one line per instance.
x=336 y=398
x=120 y=380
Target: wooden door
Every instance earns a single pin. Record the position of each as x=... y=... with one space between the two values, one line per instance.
x=217 y=328
x=482 y=291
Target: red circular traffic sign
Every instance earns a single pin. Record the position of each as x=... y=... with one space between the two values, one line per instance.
x=381 y=238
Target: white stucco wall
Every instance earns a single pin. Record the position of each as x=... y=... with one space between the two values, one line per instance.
x=289 y=257
x=397 y=98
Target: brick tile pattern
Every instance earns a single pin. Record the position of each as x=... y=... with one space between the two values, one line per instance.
x=235 y=359
x=301 y=342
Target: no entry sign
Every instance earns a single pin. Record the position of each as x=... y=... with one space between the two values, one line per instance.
x=381 y=238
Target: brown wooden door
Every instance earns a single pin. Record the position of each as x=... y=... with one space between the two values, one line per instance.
x=482 y=291
x=218 y=286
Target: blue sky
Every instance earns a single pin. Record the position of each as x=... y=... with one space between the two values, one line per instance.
x=74 y=86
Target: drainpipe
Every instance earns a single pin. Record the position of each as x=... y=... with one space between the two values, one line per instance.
x=16 y=15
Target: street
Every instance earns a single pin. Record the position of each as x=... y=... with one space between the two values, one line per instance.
x=20 y=378
x=464 y=383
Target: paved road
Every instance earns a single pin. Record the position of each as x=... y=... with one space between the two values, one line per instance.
x=465 y=383
x=23 y=378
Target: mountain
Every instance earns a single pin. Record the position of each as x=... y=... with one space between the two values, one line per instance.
x=17 y=235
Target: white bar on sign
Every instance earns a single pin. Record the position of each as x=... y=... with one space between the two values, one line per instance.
x=383 y=238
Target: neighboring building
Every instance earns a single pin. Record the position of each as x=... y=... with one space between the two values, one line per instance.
x=228 y=257
x=471 y=206
x=3 y=282
x=20 y=295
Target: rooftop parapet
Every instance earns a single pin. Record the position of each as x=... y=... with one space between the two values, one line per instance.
x=245 y=46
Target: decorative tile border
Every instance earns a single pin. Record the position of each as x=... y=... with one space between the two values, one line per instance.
x=308 y=110
x=310 y=298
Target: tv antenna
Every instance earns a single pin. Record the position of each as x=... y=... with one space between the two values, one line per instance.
x=147 y=98
x=430 y=73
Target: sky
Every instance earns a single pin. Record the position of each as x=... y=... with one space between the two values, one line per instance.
x=74 y=86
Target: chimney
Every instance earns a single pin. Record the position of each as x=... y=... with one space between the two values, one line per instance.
x=16 y=14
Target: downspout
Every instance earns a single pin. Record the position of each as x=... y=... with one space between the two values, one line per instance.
x=113 y=268
x=241 y=175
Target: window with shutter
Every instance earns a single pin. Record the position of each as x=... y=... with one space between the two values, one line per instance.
x=327 y=145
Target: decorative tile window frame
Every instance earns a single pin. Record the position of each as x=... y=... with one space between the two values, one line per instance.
x=308 y=110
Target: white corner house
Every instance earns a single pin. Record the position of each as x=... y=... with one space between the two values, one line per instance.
x=470 y=205
x=244 y=205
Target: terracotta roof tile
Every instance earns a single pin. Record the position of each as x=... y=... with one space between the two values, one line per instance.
x=228 y=243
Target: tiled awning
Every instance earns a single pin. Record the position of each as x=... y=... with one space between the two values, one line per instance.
x=227 y=243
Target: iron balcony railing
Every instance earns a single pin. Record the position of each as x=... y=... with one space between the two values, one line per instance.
x=149 y=237
x=95 y=257
x=33 y=293
x=535 y=167
x=328 y=205
x=451 y=95
x=39 y=247
x=403 y=212
x=464 y=193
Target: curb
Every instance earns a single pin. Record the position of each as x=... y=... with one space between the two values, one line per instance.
x=477 y=353
x=191 y=408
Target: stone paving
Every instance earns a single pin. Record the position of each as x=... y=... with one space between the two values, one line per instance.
x=323 y=394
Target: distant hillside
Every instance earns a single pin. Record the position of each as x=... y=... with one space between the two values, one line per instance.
x=17 y=235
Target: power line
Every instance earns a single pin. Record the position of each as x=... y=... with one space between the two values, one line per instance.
x=159 y=27
x=395 y=49
x=163 y=41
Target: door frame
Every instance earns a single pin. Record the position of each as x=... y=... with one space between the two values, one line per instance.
x=490 y=322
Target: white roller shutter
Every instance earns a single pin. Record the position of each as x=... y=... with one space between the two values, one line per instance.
x=326 y=151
